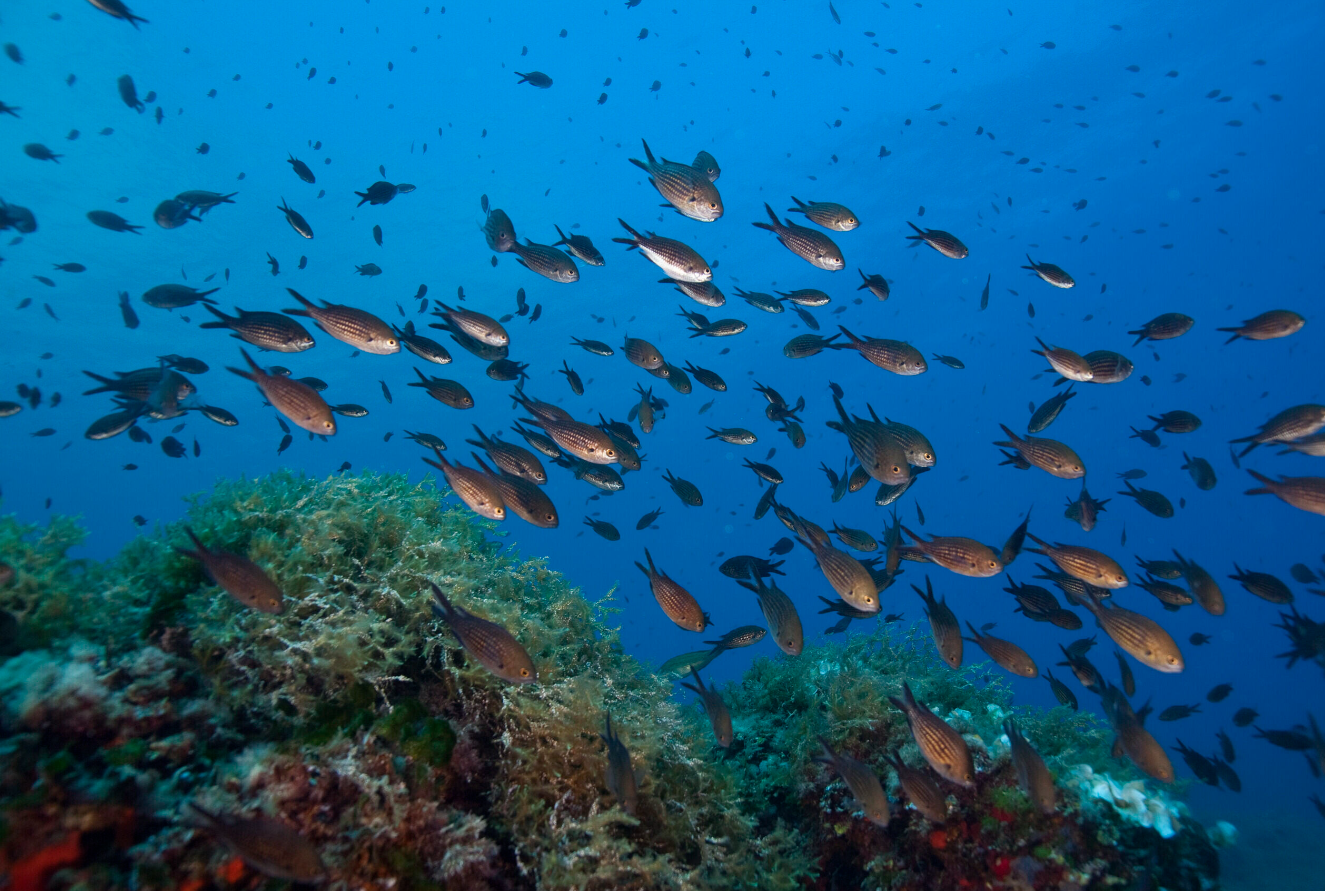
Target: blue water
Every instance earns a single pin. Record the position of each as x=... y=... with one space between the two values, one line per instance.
x=1154 y=229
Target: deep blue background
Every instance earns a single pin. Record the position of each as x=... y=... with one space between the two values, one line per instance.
x=1147 y=162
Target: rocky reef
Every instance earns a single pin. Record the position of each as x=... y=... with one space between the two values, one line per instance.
x=132 y=687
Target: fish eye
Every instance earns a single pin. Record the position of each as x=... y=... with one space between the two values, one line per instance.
x=524 y=672
x=611 y=453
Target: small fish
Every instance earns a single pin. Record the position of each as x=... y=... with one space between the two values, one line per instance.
x=1178 y=712
x=648 y=519
x=491 y=645
x=942 y=746
x=269 y=846
x=237 y=575
x=621 y=781
x=719 y=717
x=859 y=777
x=603 y=528
x=1051 y=274
x=1219 y=693
x=1244 y=716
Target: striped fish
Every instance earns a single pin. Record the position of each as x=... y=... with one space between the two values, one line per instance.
x=491 y=645
x=861 y=780
x=677 y=603
x=1033 y=775
x=584 y=441
x=943 y=747
x=1086 y=564
x=1048 y=272
x=1139 y=636
x=547 y=261
x=813 y=247
x=523 y=498
x=689 y=190
x=896 y=356
x=1302 y=492
x=945 y=243
x=828 y=214
x=943 y=625
x=265 y=330
x=1050 y=455
x=1164 y=327
x=679 y=261
x=923 y=792
x=719 y=717
x=297 y=401
x=1067 y=363
x=475 y=488
x=882 y=457
x=361 y=330
x=1267 y=326
x=1289 y=424
x=1005 y=653
x=784 y=623
x=964 y=556
x=511 y=458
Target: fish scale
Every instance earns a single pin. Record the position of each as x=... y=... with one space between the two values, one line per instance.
x=686 y=188
x=678 y=260
x=297 y=401
x=495 y=648
x=1050 y=455
x=1004 y=652
x=942 y=625
x=475 y=488
x=964 y=556
x=265 y=330
x=945 y=243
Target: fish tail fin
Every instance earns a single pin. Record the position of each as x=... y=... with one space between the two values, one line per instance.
x=920 y=233
x=647 y=153
x=303 y=302
x=800 y=205
x=1010 y=435
x=562 y=234
x=1265 y=484
x=441 y=607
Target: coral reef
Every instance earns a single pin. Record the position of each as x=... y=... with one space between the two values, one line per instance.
x=355 y=718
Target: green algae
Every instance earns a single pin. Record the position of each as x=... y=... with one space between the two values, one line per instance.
x=355 y=716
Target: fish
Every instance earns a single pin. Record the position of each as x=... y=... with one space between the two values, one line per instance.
x=828 y=214
x=945 y=243
x=499 y=231
x=805 y=345
x=1263 y=585
x=447 y=392
x=238 y=576
x=482 y=328
x=677 y=260
x=172 y=296
x=1219 y=693
x=581 y=247
x=964 y=556
x=621 y=781
x=358 y=328
x=896 y=356
x=861 y=779
x=1067 y=363
x=1269 y=325
x=732 y=435
x=677 y=603
x=1201 y=472
x=488 y=643
x=1165 y=326
x=269 y=846
x=685 y=188
x=264 y=330
x=476 y=489
x=642 y=354
x=1088 y=565
x=1154 y=502
x=1006 y=654
x=708 y=165
x=1033 y=777
x=597 y=347
x=295 y=219
x=378 y=193
x=522 y=497
x=1202 y=585
x=943 y=626
x=425 y=348
x=784 y=623
x=1084 y=509
x=603 y=528
x=1050 y=455
x=941 y=746
x=648 y=519
x=720 y=718
x=535 y=79
x=813 y=247
x=1177 y=421
x=1141 y=637
x=1302 y=492
x=118 y=10
x=511 y=458
x=1178 y=712
x=126 y=311
x=1289 y=424
x=1244 y=717
x=744 y=636
x=950 y=361
x=1051 y=274
x=301 y=169
x=297 y=401
x=1061 y=692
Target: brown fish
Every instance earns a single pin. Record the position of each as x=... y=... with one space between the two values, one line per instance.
x=474 y=487
x=1139 y=636
x=621 y=780
x=943 y=747
x=1033 y=775
x=677 y=603
x=861 y=779
x=811 y=246
x=1267 y=326
x=719 y=717
x=964 y=556
x=238 y=576
x=1048 y=272
x=686 y=188
x=826 y=213
x=945 y=243
x=491 y=645
x=1086 y=564
x=361 y=330
x=1289 y=424
x=447 y=392
x=1050 y=455
x=297 y=401
x=1005 y=653
x=264 y=330
x=269 y=846
x=923 y=792
x=784 y=623
x=1164 y=327
x=1302 y=492
x=943 y=625
x=896 y=356
x=1202 y=585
